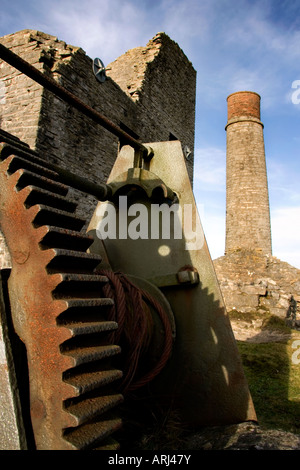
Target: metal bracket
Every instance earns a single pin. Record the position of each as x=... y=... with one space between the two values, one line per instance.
x=186 y=276
x=153 y=186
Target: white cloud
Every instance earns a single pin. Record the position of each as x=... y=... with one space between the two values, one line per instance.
x=234 y=46
x=188 y=19
x=239 y=48
x=103 y=29
x=210 y=168
x=209 y=184
x=283 y=183
x=285 y=227
x=214 y=231
x=210 y=195
x=285 y=223
x=100 y=27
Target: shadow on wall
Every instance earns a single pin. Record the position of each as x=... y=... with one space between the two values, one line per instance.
x=272 y=367
x=201 y=387
x=203 y=382
x=272 y=364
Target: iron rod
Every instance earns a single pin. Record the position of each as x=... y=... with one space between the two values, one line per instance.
x=50 y=84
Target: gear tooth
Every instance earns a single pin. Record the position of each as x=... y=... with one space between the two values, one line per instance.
x=16 y=162
x=88 y=436
x=48 y=215
x=73 y=261
x=69 y=333
x=84 y=355
x=80 y=285
x=28 y=178
x=86 y=328
x=86 y=410
x=84 y=382
x=9 y=140
x=59 y=237
x=47 y=198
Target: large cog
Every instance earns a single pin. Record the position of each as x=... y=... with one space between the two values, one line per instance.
x=57 y=307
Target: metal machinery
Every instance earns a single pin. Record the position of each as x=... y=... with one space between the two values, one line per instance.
x=110 y=319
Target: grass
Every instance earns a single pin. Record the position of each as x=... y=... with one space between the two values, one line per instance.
x=274 y=383
x=274 y=380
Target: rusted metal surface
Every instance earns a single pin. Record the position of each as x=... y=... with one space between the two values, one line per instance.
x=204 y=382
x=58 y=312
x=54 y=293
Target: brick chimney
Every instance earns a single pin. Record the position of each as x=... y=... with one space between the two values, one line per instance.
x=247 y=200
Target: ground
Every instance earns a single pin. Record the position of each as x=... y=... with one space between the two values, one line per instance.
x=272 y=367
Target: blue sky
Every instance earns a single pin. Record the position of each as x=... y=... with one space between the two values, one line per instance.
x=242 y=45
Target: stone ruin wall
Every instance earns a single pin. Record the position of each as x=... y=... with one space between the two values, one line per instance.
x=255 y=283
x=146 y=93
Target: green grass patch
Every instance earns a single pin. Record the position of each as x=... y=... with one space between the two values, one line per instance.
x=272 y=322
x=243 y=316
x=274 y=383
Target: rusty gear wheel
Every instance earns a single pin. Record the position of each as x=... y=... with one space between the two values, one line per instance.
x=58 y=308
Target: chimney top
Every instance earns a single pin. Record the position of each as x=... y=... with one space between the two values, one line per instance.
x=243 y=104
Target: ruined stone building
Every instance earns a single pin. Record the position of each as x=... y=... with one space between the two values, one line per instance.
x=145 y=93
x=60 y=299
x=251 y=279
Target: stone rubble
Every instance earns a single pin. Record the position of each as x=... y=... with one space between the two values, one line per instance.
x=245 y=436
x=252 y=282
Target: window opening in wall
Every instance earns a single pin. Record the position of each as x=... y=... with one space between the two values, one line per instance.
x=172 y=136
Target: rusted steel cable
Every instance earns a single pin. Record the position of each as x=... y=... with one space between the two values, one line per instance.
x=23 y=66
x=136 y=332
